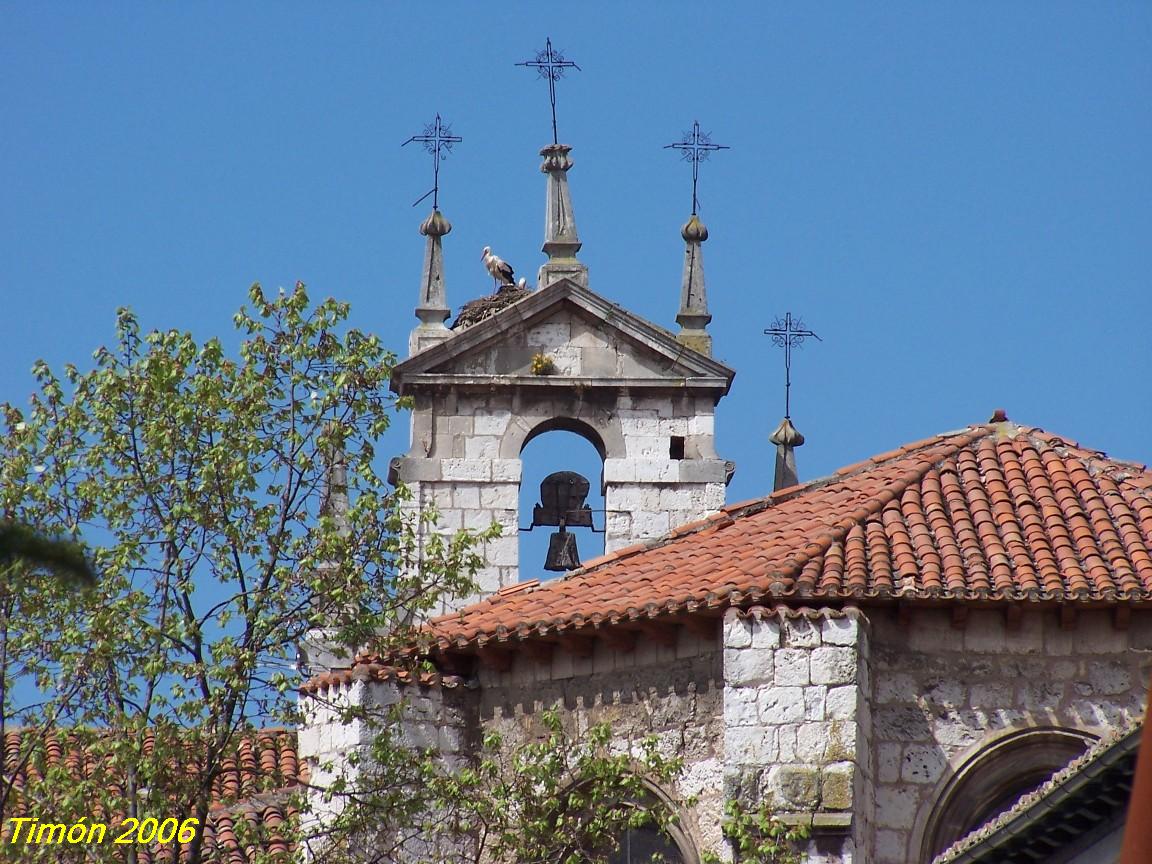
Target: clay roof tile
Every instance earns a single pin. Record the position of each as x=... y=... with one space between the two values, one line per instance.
x=992 y=511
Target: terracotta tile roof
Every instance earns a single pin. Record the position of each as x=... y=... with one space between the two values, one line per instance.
x=254 y=787
x=993 y=512
x=367 y=667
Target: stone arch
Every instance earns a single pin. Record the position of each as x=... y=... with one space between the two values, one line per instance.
x=992 y=778
x=676 y=832
x=559 y=444
x=567 y=424
x=601 y=432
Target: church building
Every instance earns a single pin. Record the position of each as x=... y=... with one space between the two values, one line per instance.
x=893 y=654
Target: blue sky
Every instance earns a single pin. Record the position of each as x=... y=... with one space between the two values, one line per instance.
x=956 y=196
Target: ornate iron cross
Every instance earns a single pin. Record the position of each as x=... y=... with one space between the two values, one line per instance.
x=789 y=334
x=437 y=140
x=695 y=147
x=550 y=64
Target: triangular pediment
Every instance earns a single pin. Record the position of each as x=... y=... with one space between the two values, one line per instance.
x=583 y=336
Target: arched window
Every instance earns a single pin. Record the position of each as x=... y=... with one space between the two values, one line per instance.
x=639 y=845
x=560 y=445
x=993 y=780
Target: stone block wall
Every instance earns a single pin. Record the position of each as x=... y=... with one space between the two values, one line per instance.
x=660 y=464
x=943 y=693
x=797 y=722
x=670 y=691
x=332 y=742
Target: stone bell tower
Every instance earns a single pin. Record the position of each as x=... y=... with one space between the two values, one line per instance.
x=522 y=363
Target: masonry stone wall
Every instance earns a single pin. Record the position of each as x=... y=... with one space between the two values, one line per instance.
x=332 y=740
x=797 y=724
x=942 y=694
x=670 y=691
x=658 y=442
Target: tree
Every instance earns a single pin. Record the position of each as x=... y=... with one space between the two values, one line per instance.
x=20 y=544
x=224 y=534
x=562 y=797
x=199 y=478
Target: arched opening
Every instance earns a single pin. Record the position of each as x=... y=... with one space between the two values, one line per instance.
x=560 y=445
x=642 y=845
x=993 y=780
x=668 y=843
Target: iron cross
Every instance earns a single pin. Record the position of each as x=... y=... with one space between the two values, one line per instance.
x=789 y=334
x=437 y=140
x=695 y=147
x=550 y=64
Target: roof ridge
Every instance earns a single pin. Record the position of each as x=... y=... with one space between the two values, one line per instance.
x=812 y=542
x=837 y=533
x=728 y=514
x=1098 y=459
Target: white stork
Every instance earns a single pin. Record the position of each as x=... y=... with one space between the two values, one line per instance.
x=500 y=270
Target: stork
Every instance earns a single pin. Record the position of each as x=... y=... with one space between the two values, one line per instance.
x=500 y=270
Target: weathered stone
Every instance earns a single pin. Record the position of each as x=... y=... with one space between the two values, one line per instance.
x=814 y=699
x=801 y=633
x=842 y=738
x=923 y=764
x=702 y=471
x=737 y=631
x=795 y=787
x=889 y=758
x=1027 y=637
x=833 y=665
x=896 y=687
x=840 y=703
x=839 y=631
x=506 y=470
x=747 y=665
x=958 y=729
x=1109 y=678
x=766 y=634
x=791 y=666
x=1040 y=695
x=891 y=848
x=836 y=786
x=786 y=740
x=984 y=632
x=781 y=705
x=944 y=692
x=901 y=723
x=992 y=695
x=466 y=469
x=755 y=745
x=812 y=740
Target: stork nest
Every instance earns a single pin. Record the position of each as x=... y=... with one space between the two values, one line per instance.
x=475 y=311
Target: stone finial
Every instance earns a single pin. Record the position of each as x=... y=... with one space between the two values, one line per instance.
x=335 y=501
x=433 y=307
x=561 y=241
x=786 y=438
x=693 y=316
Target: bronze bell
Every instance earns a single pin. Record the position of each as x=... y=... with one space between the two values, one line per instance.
x=562 y=497
x=562 y=504
x=562 y=552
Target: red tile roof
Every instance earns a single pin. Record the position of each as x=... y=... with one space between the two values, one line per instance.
x=255 y=786
x=996 y=512
x=368 y=668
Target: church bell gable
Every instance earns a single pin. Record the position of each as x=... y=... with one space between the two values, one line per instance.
x=522 y=362
x=578 y=334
